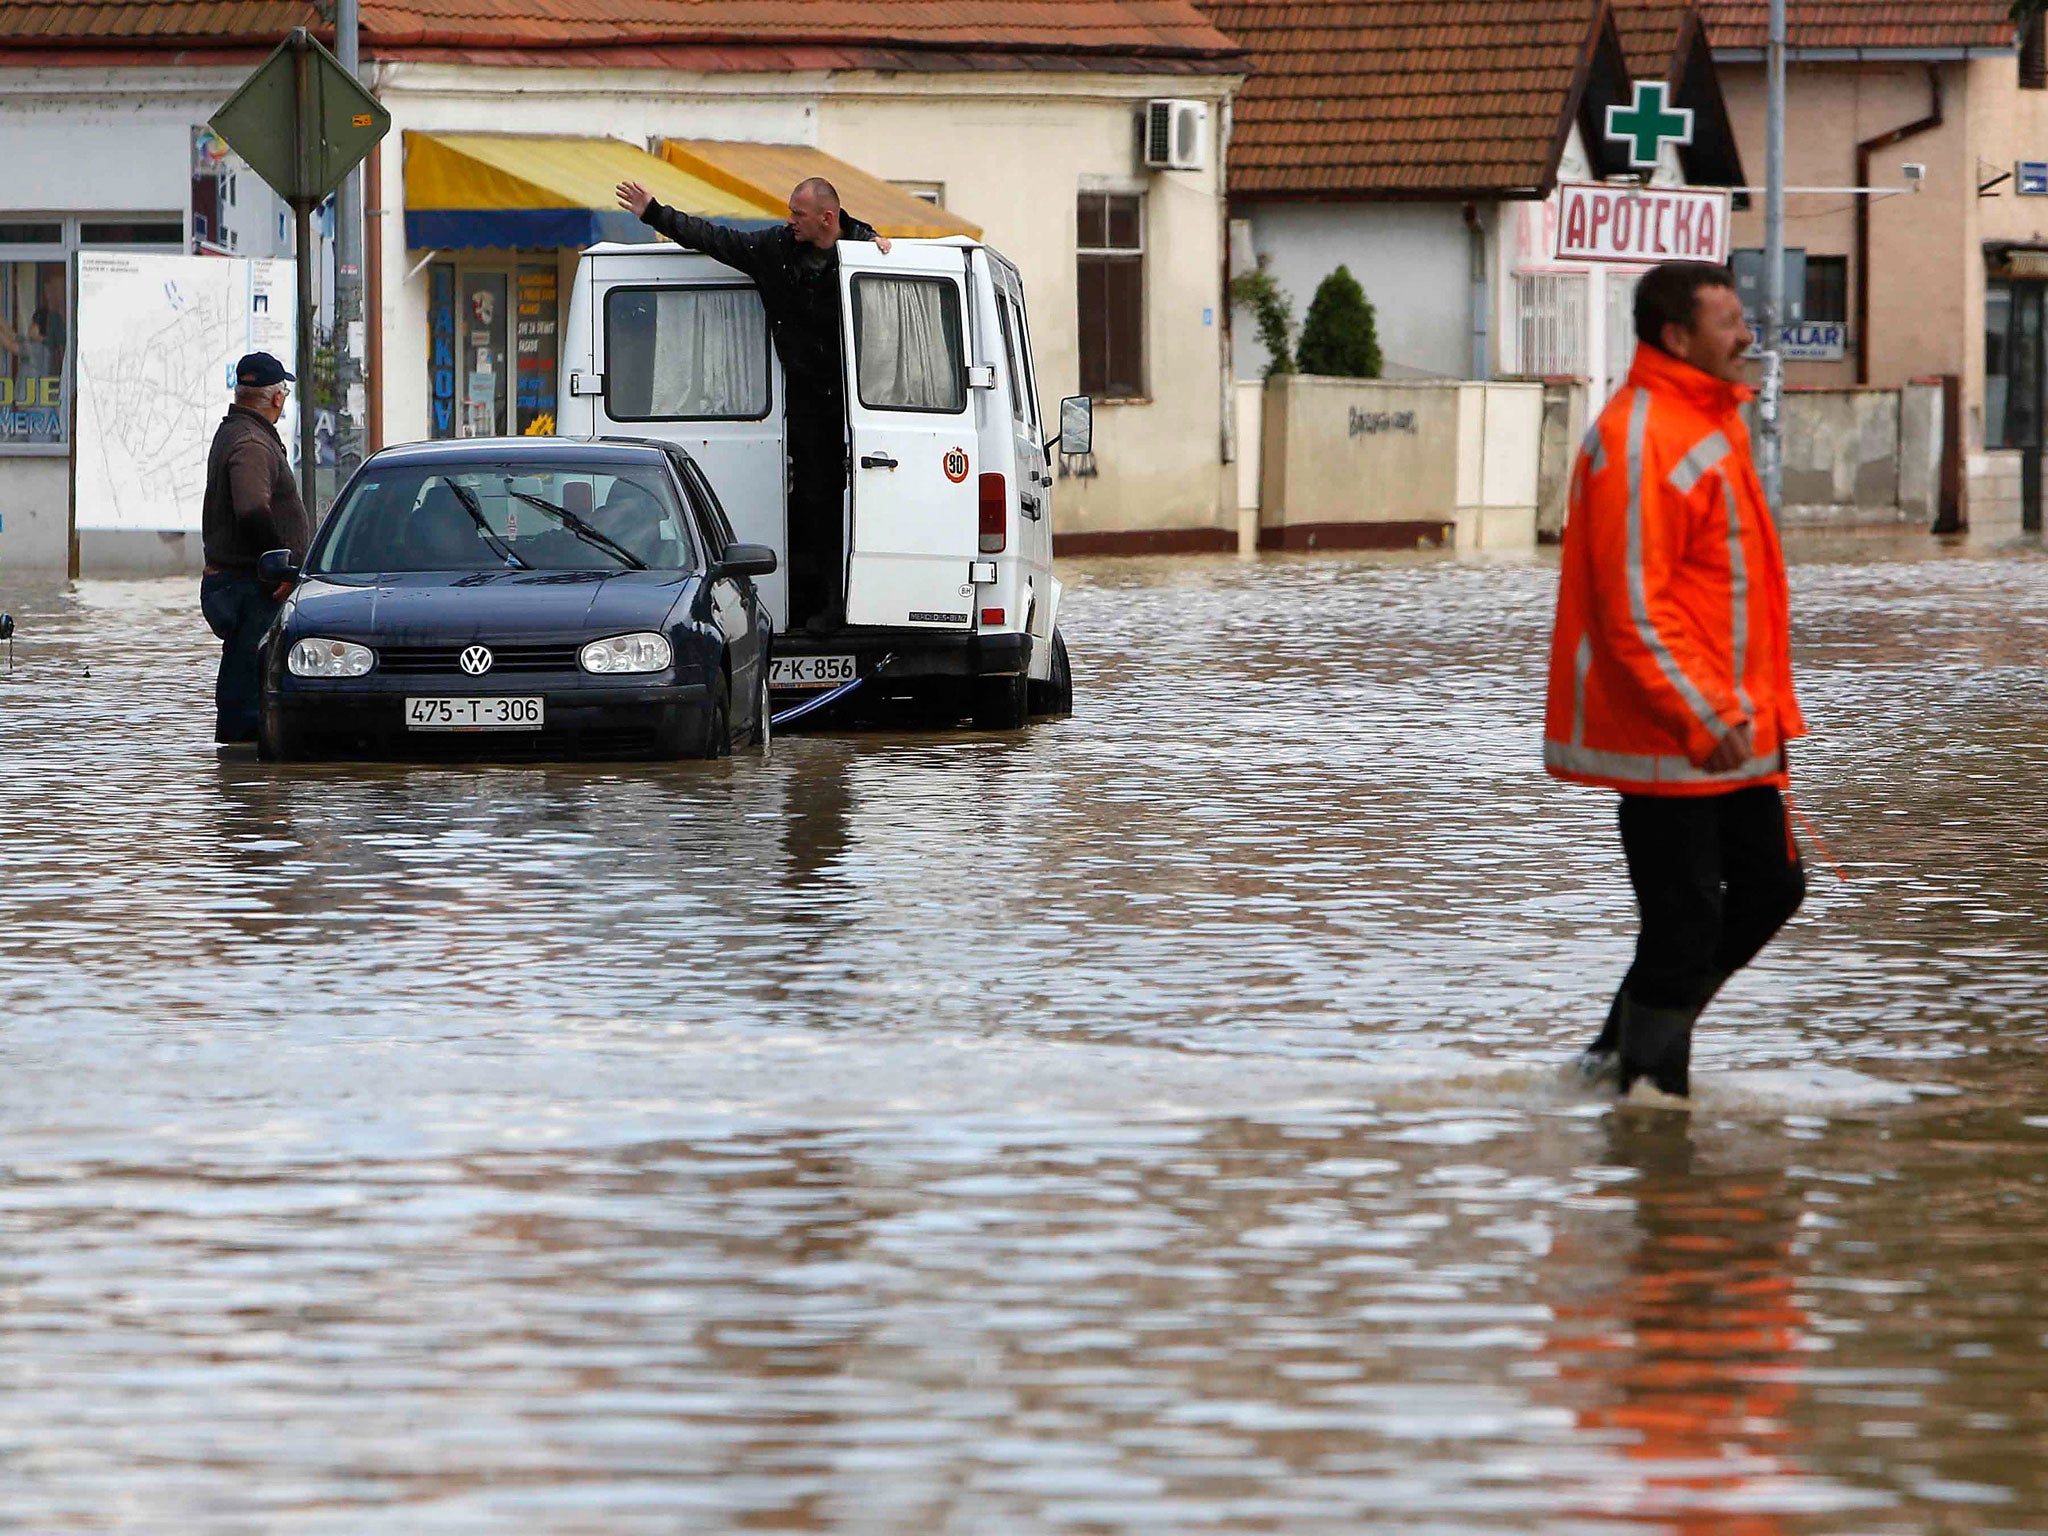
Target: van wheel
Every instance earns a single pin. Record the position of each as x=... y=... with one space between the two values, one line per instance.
x=764 y=713
x=1055 y=696
x=1002 y=703
x=718 y=729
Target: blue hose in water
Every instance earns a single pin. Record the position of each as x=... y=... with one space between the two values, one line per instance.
x=809 y=706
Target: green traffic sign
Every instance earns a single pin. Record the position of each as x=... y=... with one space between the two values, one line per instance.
x=304 y=158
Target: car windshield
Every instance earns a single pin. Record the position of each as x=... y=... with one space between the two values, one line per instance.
x=476 y=517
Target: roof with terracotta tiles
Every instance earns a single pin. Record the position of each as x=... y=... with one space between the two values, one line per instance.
x=1651 y=31
x=1827 y=26
x=1429 y=98
x=925 y=30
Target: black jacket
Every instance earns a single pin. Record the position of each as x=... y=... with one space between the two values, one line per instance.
x=252 y=502
x=799 y=288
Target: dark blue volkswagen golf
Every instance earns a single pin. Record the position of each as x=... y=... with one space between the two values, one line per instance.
x=518 y=597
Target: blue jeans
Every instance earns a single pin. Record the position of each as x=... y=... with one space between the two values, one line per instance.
x=238 y=608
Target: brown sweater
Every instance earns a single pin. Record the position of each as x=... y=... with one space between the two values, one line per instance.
x=252 y=502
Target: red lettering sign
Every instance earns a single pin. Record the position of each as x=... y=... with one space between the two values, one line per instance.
x=1641 y=225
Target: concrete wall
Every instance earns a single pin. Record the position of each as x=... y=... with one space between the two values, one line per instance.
x=1412 y=259
x=1355 y=463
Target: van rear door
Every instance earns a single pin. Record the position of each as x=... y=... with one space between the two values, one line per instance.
x=681 y=345
x=915 y=489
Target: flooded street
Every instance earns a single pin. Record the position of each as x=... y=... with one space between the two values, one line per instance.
x=1151 y=1122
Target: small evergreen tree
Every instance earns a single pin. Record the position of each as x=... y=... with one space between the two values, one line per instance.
x=1269 y=303
x=1339 y=338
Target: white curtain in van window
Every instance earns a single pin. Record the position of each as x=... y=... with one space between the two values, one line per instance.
x=909 y=344
x=710 y=353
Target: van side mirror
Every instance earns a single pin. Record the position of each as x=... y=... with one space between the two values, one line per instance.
x=1077 y=425
x=276 y=567
x=745 y=560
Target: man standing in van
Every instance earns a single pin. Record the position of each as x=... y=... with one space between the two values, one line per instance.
x=796 y=269
x=1671 y=669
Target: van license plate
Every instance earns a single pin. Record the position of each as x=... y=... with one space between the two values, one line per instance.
x=474 y=714
x=810 y=671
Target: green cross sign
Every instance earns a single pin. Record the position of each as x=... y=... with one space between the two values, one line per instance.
x=1649 y=123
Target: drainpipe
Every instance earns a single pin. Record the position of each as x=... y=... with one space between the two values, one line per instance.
x=1482 y=351
x=1228 y=381
x=1864 y=150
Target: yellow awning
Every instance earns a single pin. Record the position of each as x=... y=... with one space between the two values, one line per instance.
x=506 y=191
x=765 y=173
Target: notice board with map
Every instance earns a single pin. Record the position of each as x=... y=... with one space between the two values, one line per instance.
x=157 y=341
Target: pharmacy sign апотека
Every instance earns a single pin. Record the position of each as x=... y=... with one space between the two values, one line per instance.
x=1641 y=225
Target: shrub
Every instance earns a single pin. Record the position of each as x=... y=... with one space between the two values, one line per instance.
x=1339 y=337
x=1274 y=311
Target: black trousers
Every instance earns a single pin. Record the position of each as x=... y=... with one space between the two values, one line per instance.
x=817 y=511
x=1715 y=877
x=238 y=608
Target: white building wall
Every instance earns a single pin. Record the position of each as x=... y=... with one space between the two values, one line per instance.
x=1413 y=260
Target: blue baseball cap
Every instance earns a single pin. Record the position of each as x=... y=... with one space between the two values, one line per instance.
x=260 y=368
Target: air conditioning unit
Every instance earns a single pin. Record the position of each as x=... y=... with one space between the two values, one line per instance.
x=1176 y=135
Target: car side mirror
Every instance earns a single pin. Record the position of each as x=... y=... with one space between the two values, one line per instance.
x=745 y=560
x=1077 y=424
x=276 y=567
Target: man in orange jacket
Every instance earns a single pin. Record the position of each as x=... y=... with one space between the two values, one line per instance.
x=1671 y=673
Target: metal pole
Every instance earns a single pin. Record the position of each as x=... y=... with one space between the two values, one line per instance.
x=302 y=210
x=1771 y=468
x=348 y=275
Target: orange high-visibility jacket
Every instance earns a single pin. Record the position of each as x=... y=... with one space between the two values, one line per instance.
x=1672 y=619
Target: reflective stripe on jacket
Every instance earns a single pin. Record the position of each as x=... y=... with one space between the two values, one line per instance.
x=1672 y=623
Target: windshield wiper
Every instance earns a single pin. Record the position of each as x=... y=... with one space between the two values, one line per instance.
x=582 y=530
x=475 y=510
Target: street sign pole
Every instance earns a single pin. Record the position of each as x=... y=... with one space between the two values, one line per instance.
x=303 y=122
x=1769 y=435
x=349 y=236
x=302 y=210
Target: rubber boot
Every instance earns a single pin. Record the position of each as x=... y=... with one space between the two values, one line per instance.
x=1600 y=1062
x=1657 y=1043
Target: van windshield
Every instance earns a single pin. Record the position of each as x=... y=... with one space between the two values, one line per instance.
x=474 y=517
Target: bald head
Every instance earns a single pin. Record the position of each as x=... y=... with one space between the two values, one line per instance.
x=818 y=192
x=814 y=213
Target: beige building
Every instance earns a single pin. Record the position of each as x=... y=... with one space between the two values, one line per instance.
x=1085 y=139
x=1940 y=275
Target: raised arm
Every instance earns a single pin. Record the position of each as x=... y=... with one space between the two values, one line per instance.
x=748 y=252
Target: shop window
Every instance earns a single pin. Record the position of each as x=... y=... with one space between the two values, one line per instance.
x=1827 y=289
x=1550 y=324
x=685 y=354
x=1110 y=263
x=493 y=347
x=2013 y=316
x=166 y=232
x=907 y=349
x=35 y=332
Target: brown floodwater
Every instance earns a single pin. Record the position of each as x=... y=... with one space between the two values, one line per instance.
x=1151 y=1122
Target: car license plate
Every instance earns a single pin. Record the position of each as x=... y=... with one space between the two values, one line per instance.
x=810 y=671
x=474 y=714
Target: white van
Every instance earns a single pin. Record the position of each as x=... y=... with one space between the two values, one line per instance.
x=949 y=590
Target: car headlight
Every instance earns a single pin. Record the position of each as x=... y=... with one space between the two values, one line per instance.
x=329 y=658
x=645 y=652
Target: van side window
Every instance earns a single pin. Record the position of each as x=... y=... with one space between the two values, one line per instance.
x=685 y=354
x=1023 y=384
x=908 y=355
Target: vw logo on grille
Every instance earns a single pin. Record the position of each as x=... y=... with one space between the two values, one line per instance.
x=476 y=660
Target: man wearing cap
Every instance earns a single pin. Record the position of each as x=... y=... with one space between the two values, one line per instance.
x=252 y=506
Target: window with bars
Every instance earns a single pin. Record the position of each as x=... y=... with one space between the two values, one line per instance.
x=1550 y=324
x=1110 y=266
